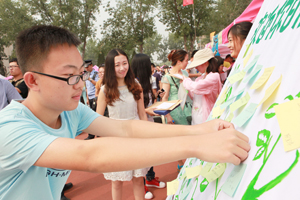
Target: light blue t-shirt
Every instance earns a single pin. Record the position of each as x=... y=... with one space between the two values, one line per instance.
x=23 y=138
x=7 y=93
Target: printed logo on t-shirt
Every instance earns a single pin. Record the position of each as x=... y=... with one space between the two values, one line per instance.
x=57 y=172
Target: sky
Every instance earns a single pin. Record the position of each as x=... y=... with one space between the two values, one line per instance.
x=102 y=16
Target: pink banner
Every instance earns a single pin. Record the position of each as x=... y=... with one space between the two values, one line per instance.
x=249 y=15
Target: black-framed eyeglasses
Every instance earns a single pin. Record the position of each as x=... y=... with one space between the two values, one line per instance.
x=72 y=80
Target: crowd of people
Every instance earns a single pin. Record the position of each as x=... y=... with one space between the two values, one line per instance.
x=41 y=115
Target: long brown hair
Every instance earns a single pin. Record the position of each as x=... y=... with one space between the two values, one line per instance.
x=110 y=80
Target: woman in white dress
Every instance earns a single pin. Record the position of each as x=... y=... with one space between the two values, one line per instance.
x=123 y=96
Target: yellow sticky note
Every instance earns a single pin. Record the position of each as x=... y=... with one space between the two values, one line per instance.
x=172 y=187
x=222 y=97
x=216 y=172
x=288 y=116
x=236 y=77
x=217 y=111
x=248 y=57
x=270 y=90
x=264 y=77
x=192 y=172
x=206 y=169
x=229 y=117
x=239 y=103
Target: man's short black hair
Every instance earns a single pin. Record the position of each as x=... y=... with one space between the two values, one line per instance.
x=228 y=55
x=13 y=60
x=33 y=45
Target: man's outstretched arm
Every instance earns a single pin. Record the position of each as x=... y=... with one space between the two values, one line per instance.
x=109 y=154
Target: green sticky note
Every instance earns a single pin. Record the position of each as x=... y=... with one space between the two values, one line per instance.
x=228 y=103
x=229 y=117
x=252 y=75
x=239 y=94
x=216 y=172
x=233 y=72
x=182 y=175
x=245 y=115
x=231 y=184
x=236 y=77
x=186 y=191
x=252 y=63
x=206 y=169
x=239 y=103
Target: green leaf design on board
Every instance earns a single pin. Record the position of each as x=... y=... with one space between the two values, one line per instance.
x=203 y=185
x=298 y=95
x=183 y=183
x=259 y=153
x=195 y=189
x=290 y=97
x=262 y=137
x=228 y=93
x=272 y=114
x=248 y=46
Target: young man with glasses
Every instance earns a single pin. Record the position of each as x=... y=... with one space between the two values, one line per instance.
x=17 y=81
x=38 y=148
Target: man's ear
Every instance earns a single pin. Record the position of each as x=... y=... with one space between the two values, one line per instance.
x=31 y=81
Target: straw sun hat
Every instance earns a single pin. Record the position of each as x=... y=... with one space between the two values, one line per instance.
x=201 y=57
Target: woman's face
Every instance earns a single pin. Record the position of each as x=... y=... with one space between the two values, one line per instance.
x=202 y=68
x=234 y=44
x=220 y=69
x=185 y=61
x=101 y=72
x=121 y=66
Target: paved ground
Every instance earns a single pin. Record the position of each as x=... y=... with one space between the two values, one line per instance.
x=92 y=186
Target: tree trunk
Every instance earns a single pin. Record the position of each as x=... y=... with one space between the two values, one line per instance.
x=185 y=44
x=141 y=48
x=83 y=48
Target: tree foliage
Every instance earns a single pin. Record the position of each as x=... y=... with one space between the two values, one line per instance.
x=152 y=45
x=169 y=43
x=75 y=15
x=14 y=17
x=131 y=22
x=92 y=51
x=179 y=19
x=225 y=12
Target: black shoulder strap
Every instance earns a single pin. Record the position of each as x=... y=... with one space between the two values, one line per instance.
x=174 y=82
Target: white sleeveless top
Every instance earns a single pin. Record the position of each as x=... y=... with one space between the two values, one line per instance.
x=125 y=108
